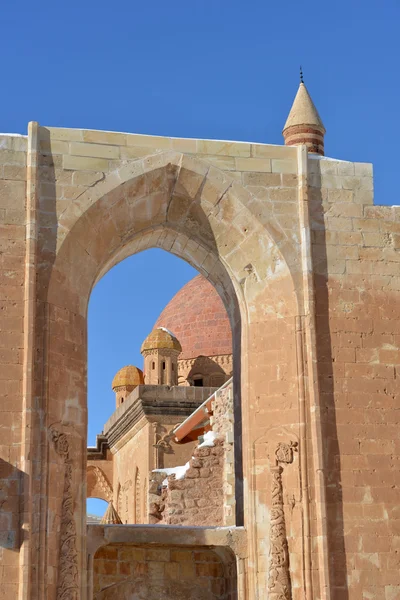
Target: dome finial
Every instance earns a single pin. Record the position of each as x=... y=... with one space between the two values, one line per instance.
x=304 y=125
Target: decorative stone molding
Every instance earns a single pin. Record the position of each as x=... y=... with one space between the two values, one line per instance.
x=104 y=483
x=221 y=360
x=67 y=584
x=99 y=451
x=279 y=586
x=147 y=401
x=164 y=443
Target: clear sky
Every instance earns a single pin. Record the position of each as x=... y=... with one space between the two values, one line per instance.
x=224 y=69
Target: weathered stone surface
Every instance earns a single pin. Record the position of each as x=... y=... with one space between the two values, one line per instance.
x=316 y=336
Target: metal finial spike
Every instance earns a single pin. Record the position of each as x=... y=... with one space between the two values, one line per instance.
x=301 y=75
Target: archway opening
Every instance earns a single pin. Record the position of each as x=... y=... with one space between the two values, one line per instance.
x=160 y=354
x=95 y=509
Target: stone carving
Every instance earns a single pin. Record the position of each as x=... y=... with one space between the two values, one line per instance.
x=284 y=452
x=104 y=484
x=279 y=587
x=67 y=584
x=164 y=443
x=221 y=359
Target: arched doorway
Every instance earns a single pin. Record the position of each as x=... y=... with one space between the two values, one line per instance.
x=186 y=207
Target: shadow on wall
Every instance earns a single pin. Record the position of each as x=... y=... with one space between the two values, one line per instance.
x=12 y=480
x=326 y=375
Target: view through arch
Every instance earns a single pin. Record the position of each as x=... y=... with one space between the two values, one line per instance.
x=160 y=347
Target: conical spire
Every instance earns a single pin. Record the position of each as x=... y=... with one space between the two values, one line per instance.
x=304 y=125
x=111 y=516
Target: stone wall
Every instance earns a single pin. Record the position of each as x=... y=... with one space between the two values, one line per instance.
x=205 y=493
x=197 y=498
x=356 y=255
x=13 y=475
x=121 y=572
x=131 y=467
x=213 y=370
x=315 y=329
x=222 y=423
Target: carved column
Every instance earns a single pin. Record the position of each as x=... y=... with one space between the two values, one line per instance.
x=279 y=586
x=67 y=581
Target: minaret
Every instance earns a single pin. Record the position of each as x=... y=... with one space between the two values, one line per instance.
x=160 y=351
x=304 y=125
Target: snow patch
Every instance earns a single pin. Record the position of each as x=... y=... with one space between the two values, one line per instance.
x=209 y=439
x=179 y=472
x=13 y=135
x=167 y=330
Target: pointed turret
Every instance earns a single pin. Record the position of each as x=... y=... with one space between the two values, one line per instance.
x=111 y=517
x=304 y=125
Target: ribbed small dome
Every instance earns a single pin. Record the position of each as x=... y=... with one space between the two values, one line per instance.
x=128 y=376
x=161 y=338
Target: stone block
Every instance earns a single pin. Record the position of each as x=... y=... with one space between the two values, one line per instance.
x=110 y=138
x=224 y=148
x=149 y=141
x=53 y=146
x=81 y=163
x=262 y=165
x=284 y=166
x=276 y=152
x=95 y=150
x=188 y=146
x=59 y=133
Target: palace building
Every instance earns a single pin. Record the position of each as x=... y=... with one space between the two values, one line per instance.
x=254 y=453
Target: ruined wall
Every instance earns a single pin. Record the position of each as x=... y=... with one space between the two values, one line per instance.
x=197 y=498
x=222 y=424
x=162 y=572
x=356 y=254
x=205 y=495
x=13 y=482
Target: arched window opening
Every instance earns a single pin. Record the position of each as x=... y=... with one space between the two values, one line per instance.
x=182 y=352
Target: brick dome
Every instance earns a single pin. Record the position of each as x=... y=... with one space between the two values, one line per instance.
x=197 y=317
x=128 y=376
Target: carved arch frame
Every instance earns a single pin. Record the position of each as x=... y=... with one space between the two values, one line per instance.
x=199 y=213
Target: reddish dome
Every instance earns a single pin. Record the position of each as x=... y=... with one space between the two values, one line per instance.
x=197 y=317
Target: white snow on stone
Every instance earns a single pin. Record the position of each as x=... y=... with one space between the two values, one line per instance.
x=208 y=440
x=13 y=135
x=167 y=330
x=179 y=472
x=320 y=157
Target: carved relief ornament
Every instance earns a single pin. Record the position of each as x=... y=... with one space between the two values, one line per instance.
x=67 y=583
x=279 y=586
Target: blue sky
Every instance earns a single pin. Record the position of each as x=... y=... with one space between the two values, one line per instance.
x=208 y=69
x=123 y=308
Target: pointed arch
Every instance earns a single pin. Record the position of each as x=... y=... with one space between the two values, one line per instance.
x=193 y=210
x=97 y=484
